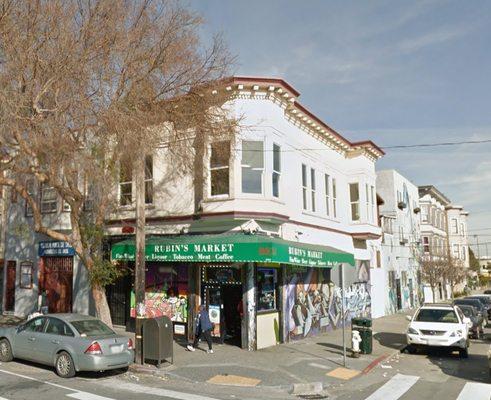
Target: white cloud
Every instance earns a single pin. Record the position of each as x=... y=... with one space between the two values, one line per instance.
x=438 y=36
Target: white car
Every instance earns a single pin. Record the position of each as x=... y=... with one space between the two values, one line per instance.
x=439 y=325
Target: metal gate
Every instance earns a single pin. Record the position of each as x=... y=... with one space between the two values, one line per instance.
x=118 y=298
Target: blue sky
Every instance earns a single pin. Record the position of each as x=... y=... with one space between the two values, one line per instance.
x=395 y=72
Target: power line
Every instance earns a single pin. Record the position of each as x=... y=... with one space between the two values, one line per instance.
x=405 y=146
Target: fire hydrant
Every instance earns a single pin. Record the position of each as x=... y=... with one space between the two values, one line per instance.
x=355 y=344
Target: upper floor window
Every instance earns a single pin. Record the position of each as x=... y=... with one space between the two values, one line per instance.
x=367 y=201
x=276 y=170
x=456 y=251
x=31 y=190
x=220 y=168
x=312 y=188
x=252 y=167
x=49 y=199
x=148 y=179
x=374 y=203
x=454 y=225
x=125 y=183
x=387 y=224
x=327 y=193
x=426 y=244
x=334 y=198
x=462 y=229
x=354 y=191
x=424 y=213
x=464 y=253
x=304 y=186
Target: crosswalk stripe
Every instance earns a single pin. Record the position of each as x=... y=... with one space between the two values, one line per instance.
x=475 y=391
x=394 y=388
x=87 y=396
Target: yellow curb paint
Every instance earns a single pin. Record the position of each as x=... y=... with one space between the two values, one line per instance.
x=233 y=380
x=343 y=373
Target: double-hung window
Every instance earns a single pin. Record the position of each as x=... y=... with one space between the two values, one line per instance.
x=304 y=186
x=252 y=167
x=125 y=183
x=373 y=208
x=327 y=194
x=148 y=180
x=49 y=199
x=334 y=198
x=367 y=201
x=276 y=170
x=424 y=213
x=456 y=251
x=312 y=188
x=455 y=227
x=31 y=190
x=426 y=244
x=354 y=190
x=220 y=168
x=462 y=229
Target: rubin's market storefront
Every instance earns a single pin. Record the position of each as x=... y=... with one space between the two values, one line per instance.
x=259 y=290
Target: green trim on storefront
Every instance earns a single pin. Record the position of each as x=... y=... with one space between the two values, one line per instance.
x=232 y=248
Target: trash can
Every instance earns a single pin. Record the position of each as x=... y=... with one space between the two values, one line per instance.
x=363 y=326
x=158 y=340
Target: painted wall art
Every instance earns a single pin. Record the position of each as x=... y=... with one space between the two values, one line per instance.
x=314 y=301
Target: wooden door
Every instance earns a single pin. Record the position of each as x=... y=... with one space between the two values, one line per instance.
x=58 y=281
x=10 y=286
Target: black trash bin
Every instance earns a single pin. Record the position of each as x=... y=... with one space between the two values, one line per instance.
x=364 y=325
x=158 y=340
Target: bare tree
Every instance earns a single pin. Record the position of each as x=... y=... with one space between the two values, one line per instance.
x=454 y=273
x=86 y=86
x=432 y=268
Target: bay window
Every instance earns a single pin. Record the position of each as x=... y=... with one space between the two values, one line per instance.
x=304 y=186
x=334 y=198
x=312 y=188
x=276 y=170
x=252 y=167
x=220 y=168
x=354 y=191
x=426 y=244
x=455 y=227
x=327 y=194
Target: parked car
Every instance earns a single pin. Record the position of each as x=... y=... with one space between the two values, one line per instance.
x=488 y=291
x=485 y=299
x=439 y=325
x=69 y=342
x=489 y=359
x=476 y=303
x=471 y=312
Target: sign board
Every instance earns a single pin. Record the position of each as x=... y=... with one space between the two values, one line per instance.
x=53 y=249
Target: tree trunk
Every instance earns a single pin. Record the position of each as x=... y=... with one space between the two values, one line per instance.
x=101 y=305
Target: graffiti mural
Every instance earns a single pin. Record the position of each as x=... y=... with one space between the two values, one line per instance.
x=165 y=293
x=314 y=303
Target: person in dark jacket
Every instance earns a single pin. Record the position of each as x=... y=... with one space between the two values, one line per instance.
x=203 y=330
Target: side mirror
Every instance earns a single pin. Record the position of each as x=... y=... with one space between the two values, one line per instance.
x=409 y=318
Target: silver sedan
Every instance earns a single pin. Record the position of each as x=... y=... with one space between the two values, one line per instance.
x=69 y=342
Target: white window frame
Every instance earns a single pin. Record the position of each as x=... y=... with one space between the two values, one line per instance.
x=245 y=166
x=126 y=183
x=276 y=172
x=424 y=213
x=454 y=226
x=305 y=187
x=327 y=193
x=374 y=204
x=218 y=168
x=354 y=203
x=334 y=198
x=367 y=202
x=48 y=206
x=426 y=244
x=464 y=251
x=456 y=250
x=312 y=190
x=462 y=229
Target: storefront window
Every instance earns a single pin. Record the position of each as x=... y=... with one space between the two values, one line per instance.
x=267 y=279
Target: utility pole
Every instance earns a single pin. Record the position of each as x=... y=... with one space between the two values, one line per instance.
x=341 y=281
x=140 y=254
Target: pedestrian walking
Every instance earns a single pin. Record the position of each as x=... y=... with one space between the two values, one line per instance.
x=203 y=330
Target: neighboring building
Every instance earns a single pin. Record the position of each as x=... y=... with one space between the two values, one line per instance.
x=2 y=243
x=259 y=239
x=458 y=240
x=397 y=287
x=434 y=236
x=485 y=266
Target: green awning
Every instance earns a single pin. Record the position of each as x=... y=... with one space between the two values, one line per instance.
x=231 y=248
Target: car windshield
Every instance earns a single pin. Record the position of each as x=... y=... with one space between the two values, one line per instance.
x=92 y=327
x=467 y=311
x=437 y=315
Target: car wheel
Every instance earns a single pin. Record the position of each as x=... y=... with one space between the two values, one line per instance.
x=464 y=353
x=64 y=365
x=5 y=351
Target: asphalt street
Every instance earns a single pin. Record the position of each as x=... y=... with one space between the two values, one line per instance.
x=435 y=375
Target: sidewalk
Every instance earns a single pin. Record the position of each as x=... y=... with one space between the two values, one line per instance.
x=317 y=359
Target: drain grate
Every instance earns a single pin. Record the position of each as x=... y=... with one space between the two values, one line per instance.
x=312 y=396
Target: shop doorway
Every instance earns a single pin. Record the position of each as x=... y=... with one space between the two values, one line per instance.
x=57 y=278
x=222 y=294
x=118 y=298
x=10 y=286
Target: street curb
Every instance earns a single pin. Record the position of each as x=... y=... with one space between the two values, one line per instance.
x=380 y=359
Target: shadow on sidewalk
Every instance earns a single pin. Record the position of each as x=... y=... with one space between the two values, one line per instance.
x=333 y=346
x=391 y=340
